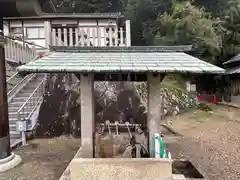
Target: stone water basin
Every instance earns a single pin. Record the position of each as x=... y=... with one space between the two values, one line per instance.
x=120 y=169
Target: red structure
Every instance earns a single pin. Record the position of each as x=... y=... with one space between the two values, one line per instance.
x=211 y=98
x=214 y=99
x=198 y=97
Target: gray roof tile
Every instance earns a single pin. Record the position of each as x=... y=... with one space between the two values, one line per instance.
x=234 y=70
x=120 y=62
x=115 y=15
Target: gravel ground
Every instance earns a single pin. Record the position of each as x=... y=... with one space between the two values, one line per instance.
x=211 y=141
x=43 y=159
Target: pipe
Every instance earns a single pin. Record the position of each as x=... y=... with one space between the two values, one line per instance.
x=157 y=145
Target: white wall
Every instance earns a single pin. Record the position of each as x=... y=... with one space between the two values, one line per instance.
x=23 y=27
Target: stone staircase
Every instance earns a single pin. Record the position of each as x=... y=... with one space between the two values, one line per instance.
x=24 y=93
x=23 y=105
x=24 y=96
x=11 y=75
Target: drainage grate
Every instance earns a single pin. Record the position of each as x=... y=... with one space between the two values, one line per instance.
x=186 y=168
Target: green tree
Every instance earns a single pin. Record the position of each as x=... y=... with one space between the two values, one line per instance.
x=92 y=6
x=143 y=15
x=213 y=6
x=84 y=6
x=187 y=24
x=231 y=33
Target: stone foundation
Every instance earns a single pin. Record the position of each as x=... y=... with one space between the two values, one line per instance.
x=84 y=167
x=127 y=169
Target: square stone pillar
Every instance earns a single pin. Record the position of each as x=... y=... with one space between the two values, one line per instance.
x=47 y=33
x=87 y=113
x=128 y=32
x=154 y=108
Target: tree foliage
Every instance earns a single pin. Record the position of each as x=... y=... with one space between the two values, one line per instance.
x=187 y=24
x=213 y=6
x=212 y=26
x=143 y=15
x=231 y=32
x=91 y=6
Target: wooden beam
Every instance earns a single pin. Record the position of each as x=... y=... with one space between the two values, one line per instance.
x=120 y=77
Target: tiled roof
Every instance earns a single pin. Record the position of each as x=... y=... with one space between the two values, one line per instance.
x=120 y=60
x=234 y=70
x=233 y=60
x=72 y=15
x=128 y=49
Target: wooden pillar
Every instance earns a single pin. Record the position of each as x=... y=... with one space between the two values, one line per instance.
x=154 y=108
x=87 y=113
x=128 y=33
x=4 y=122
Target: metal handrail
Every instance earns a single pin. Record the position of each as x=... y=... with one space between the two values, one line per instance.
x=28 y=101
x=19 y=83
x=9 y=79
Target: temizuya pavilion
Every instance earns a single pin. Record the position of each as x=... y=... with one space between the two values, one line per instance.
x=149 y=64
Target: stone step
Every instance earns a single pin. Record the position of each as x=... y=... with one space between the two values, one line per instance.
x=12 y=127
x=24 y=95
x=32 y=85
x=27 y=90
x=14 y=115
x=15 y=109
x=22 y=99
x=12 y=120
x=16 y=104
x=14 y=135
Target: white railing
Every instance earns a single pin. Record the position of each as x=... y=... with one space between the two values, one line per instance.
x=17 y=51
x=57 y=40
x=88 y=36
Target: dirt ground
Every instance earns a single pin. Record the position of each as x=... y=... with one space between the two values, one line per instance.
x=210 y=140
x=43 y=159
